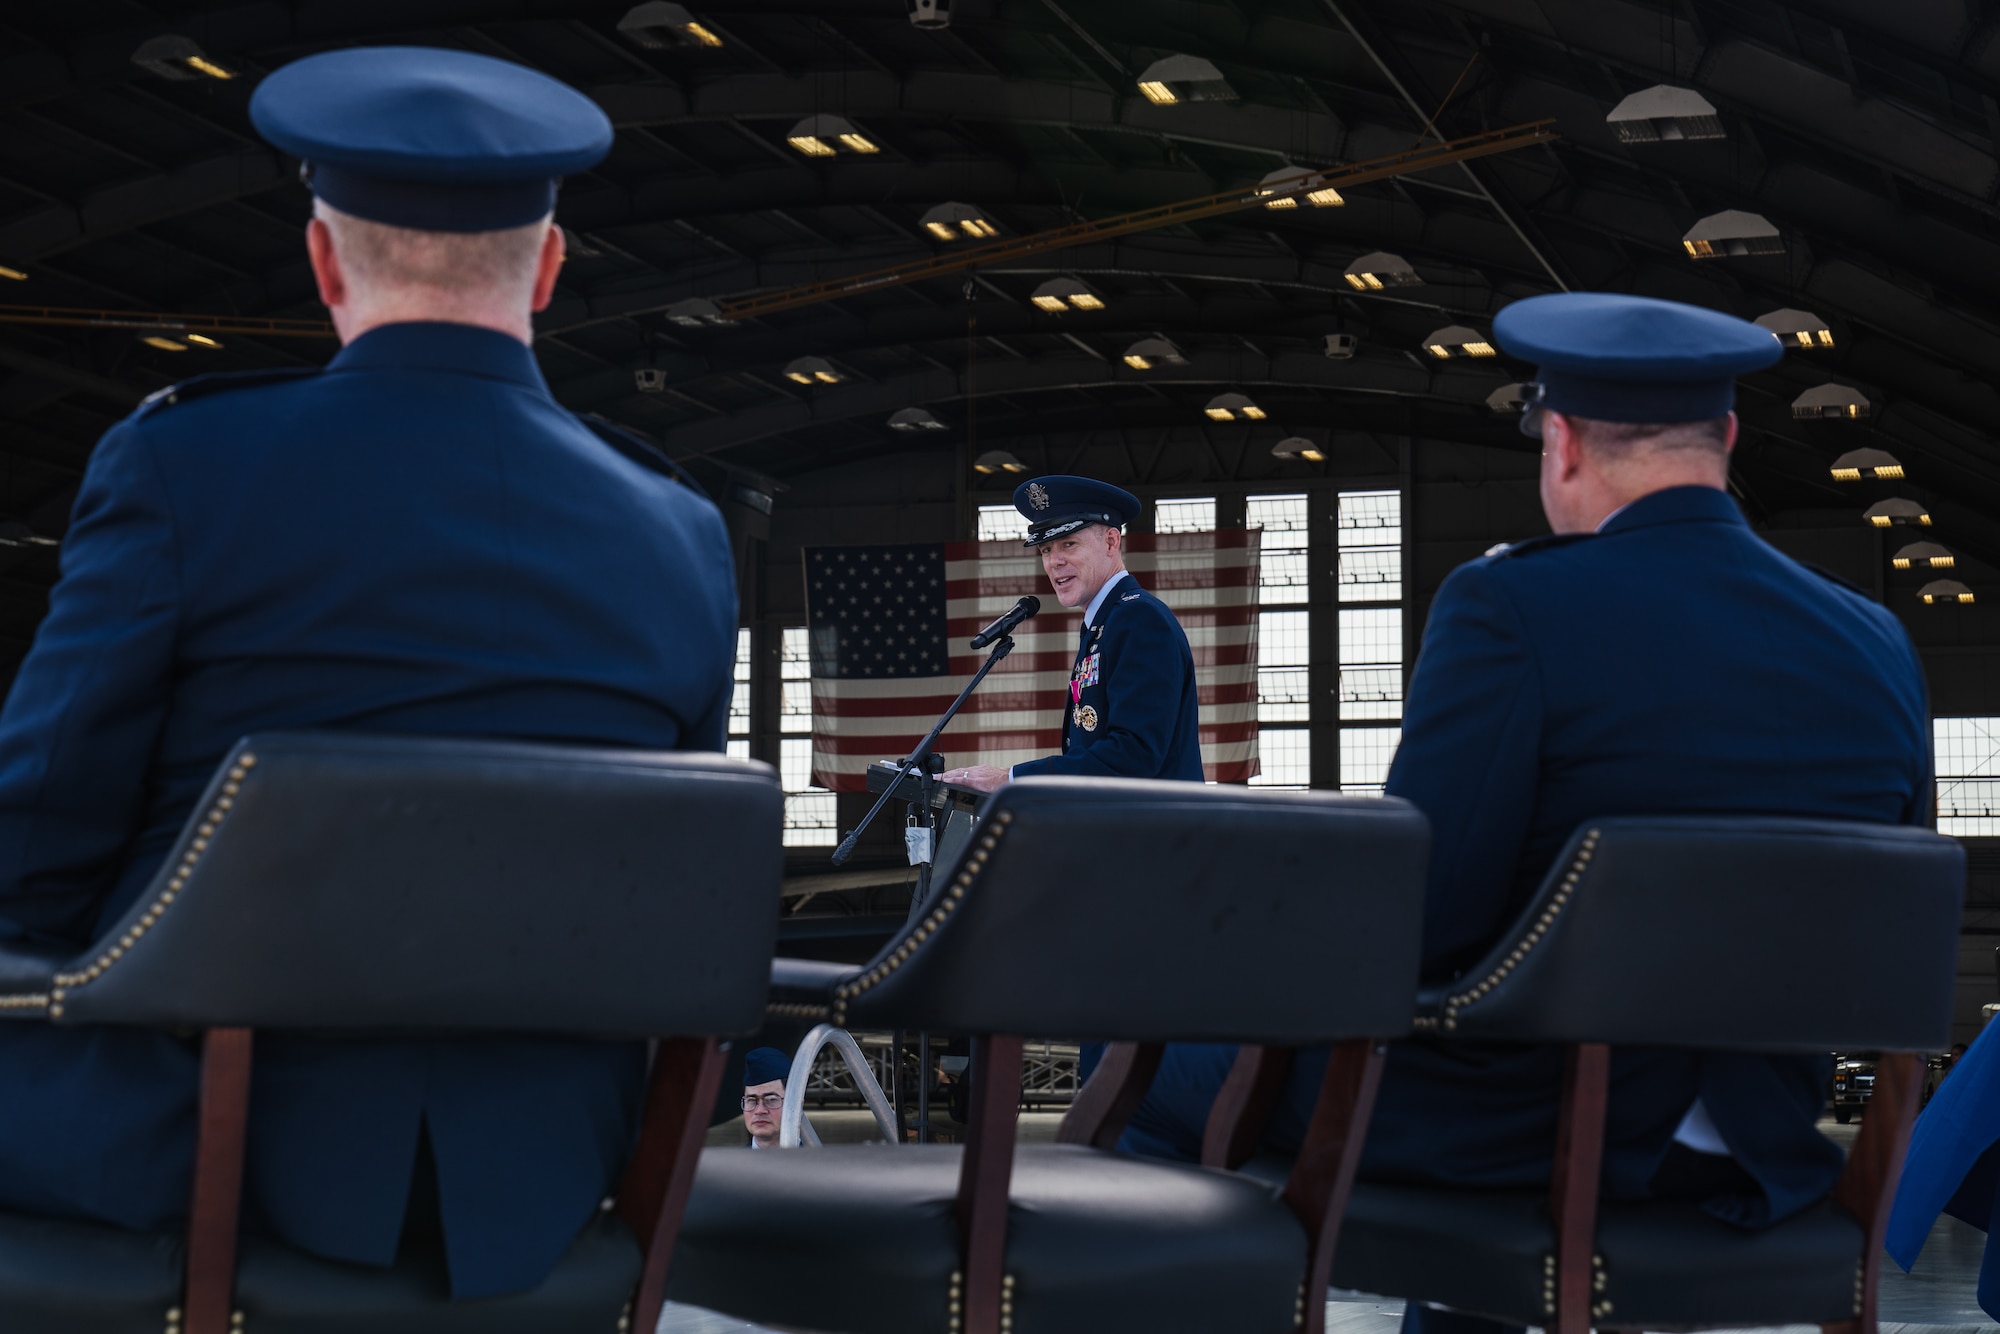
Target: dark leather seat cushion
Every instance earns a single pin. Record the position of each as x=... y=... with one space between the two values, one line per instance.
x=861 y=1238
x=76 y=1278
x=1667 y=1265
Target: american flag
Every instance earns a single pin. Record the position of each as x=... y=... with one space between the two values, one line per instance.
x=889 y=626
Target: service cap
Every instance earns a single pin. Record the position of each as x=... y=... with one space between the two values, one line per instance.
x=1630 y=358
x=764 y=1064
x=1058 y=505
x=422 y=137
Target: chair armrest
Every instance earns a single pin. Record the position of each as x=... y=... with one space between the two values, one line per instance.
x=27 y=975
x=803 y=988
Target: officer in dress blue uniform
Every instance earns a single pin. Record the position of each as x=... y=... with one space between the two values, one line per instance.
x=1953 y=1165
x=1652 y=656
x=1132 y=710
x=416 y=539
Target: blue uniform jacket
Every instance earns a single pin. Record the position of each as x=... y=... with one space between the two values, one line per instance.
x=417 y=539
x=1134 y=680
x=1673 y=663
x=1954 y=1164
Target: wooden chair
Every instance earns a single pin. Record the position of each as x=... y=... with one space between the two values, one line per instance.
x=1742 y=934
x=1141 y=911
x=394 y=887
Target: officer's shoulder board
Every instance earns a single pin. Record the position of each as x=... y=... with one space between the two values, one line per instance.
x=217 y=382
x=639 y=449
x=1511 y=550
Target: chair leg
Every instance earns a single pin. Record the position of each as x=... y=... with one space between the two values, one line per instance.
x=222 y=1126
x=985 y=1173
x=654 y=1194
x=1867 y=1186
x=1323 y=1174
x=1579 y=1163
x=1104 y=1106
x=1243 y=1107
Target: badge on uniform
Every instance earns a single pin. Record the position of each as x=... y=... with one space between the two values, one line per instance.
x=1086 y=717
x=1086 y=671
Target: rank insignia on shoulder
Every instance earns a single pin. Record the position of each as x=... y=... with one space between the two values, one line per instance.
x=1129 y=596
x=1497 y=549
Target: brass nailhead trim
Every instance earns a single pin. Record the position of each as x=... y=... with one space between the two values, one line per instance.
x=1479 y=990
x=795 y=1010
x=906 y=949
x=211 y=822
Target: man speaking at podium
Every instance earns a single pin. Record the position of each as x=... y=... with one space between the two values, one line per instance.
x=1131 y=710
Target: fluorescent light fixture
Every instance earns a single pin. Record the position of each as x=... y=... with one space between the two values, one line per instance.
x=914 y=419
x=1455 y=340
x=997 y=460
x=1838 y=401
x=657 y=25
x=958 y=222
x=1183 y=78
x=163 y=343
x=1797 y=328
x=695 y=312
x=14 y=274
x=824 y=136
x=1856 y=464
x=1147 y=353
x=1281 y=189
x=1060 y=294
x=172 y=56
x=1664 y=112
x=1373 y=272
x=1923 y=556
x=1508 y=400
x=1732 y=233
x=1228 y=407
x=1897 y=513
x=203 y=340
x=812 y=370
x=1297 y=447
x=1944 y=591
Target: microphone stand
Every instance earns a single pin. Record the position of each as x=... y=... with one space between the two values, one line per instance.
x=919 y=762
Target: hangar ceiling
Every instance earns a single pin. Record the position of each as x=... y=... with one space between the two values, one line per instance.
x=1865 y=133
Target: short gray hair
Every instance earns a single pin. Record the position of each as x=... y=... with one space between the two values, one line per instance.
x=1711 y=434
x=448 y=263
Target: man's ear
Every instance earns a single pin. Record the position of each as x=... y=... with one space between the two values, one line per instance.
x=1561 y=439
x=548 y=268
x=325 y=264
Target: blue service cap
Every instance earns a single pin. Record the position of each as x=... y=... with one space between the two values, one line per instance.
x=437 y=140
x=1619 y=358
x=1054 y=506
x=764 y=1064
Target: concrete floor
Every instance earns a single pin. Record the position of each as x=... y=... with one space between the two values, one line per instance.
x=1936 y=1297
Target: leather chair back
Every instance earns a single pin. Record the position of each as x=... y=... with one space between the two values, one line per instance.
x=343 y=881
x=1154 y=911
x=1750 y=933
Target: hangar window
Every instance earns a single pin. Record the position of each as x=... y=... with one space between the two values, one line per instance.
x=739 y=700
x=1284 y=643
x=809 y=810
x=1370 y=529
x=1001 y=523
x=1968 y=775
x=1184 y=516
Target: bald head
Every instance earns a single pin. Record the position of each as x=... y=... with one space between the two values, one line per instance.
x=372 y=274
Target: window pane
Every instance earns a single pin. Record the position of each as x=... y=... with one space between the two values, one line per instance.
x=1371 y=692
x=1282 y=576
x=809 y=820
x=1369 y=638
x=795 y=655
x=796 y=710
x=1185 y=516
x=737 y=750
x=1283 y=519
x=1370 y=574
x=739 y=698
x=1968 y=775
x=1282 y=639
x=795 y=758
x=1365 y=753
x=1284 y=757
x=1001 y=523
x=1371 y=519
x=1284 y=695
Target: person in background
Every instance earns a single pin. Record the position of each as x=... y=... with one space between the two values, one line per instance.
x=764 y=1072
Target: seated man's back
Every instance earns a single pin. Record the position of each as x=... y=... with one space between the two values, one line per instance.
x=417 y=539
x=1653 y=657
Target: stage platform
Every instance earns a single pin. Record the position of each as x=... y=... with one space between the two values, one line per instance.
x=1934 y=1298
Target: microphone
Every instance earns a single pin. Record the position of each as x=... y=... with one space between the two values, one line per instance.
x=1003 y=627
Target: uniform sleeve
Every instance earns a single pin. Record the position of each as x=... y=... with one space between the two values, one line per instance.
x=80 y=725
x=1145 y=671
x=1468 y=760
